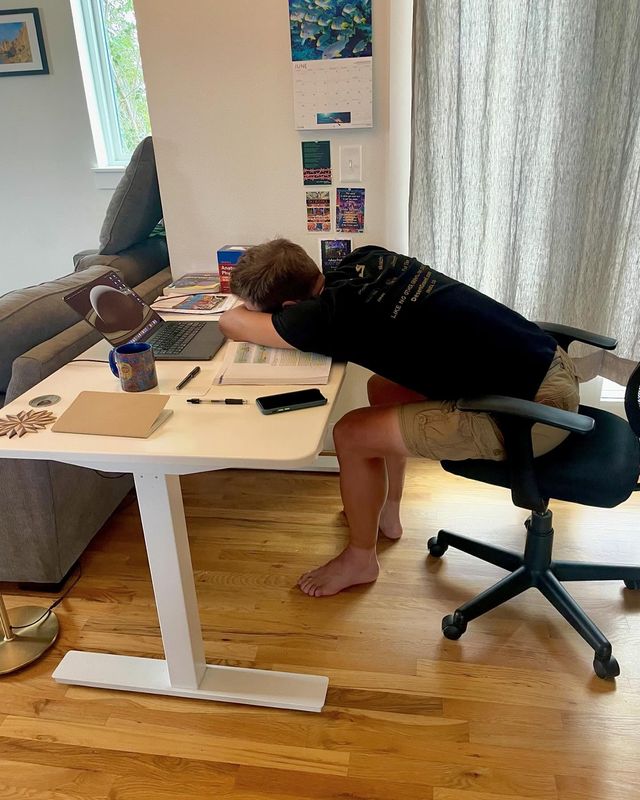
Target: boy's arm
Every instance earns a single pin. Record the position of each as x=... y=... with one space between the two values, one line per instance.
x=243 y=325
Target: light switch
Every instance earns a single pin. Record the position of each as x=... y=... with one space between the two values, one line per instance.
x=351 y=162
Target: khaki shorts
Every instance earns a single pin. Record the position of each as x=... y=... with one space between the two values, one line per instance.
x=437 y=430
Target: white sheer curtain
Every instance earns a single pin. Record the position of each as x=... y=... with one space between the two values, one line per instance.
x=526 y=158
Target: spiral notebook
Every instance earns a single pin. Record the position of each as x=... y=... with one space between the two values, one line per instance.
x=114 y=414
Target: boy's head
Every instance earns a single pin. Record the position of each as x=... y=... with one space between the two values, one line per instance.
x=271 y=274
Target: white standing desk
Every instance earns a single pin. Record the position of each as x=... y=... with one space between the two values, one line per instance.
x=196 y=438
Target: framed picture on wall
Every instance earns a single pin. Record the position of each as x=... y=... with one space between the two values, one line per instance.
x=21 y=43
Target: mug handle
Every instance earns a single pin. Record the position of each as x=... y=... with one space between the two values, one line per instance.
x=112 y=363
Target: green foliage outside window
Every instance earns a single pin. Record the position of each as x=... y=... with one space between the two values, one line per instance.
x=126 y=71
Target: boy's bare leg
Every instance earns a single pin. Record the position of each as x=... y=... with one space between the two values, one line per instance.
x=364 y=439
x=384 y=392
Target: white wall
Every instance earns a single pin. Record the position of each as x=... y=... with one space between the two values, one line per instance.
x=222 y=116
x=50 y=207
x=219 y=87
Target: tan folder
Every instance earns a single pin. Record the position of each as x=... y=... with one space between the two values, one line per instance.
x=114 y=414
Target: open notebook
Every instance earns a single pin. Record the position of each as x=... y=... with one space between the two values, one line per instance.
x=114 y=414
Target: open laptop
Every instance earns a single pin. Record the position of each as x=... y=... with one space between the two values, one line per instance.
x=121 y=315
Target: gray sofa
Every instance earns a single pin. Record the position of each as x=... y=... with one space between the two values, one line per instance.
x=49 y=512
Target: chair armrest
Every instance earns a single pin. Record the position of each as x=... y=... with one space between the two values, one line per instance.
x=527 y=409
x=515 y=418
x=564 y=335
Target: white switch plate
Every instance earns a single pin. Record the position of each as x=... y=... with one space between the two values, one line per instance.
x=351 y=162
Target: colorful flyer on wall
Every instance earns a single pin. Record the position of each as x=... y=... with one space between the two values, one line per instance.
x=316 y=163
x=318 y=211
x=350 y=210
x=331 y=50
x=332 y=251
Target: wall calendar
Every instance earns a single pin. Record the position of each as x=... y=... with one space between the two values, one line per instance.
x=332 y=58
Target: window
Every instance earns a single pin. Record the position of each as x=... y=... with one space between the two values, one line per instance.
x=112 y=75
x=611 y=392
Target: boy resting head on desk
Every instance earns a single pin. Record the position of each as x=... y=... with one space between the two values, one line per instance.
x=429 y=339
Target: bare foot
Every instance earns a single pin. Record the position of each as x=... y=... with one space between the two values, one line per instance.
x=390 y=524
x=353 y=566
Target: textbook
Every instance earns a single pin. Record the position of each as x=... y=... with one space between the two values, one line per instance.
x=196 y=304
x=193 y=283
x=253 y=364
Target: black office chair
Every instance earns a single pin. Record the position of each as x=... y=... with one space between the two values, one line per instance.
x=597 y=465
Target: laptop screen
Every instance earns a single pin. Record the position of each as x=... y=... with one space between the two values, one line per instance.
x=114 y=310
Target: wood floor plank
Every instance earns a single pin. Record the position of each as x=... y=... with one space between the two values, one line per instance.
x=512 y=711
x=154 y=769
x=507 y=780
x=52 y=782
x=254 y=783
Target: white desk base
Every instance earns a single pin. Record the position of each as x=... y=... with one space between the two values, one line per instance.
x=184 y=673
x=256 y=687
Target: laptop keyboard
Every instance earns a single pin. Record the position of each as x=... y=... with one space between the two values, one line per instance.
x=173 y=337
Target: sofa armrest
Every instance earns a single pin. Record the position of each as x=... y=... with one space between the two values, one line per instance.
x=152 y=288
x=44 y=359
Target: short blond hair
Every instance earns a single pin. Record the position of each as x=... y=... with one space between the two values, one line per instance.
x=269 y=274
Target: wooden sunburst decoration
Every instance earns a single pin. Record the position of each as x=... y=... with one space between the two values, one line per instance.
x=25 y=422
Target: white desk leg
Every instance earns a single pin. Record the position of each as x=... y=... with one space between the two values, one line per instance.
x=165 y=535
x=184 y=672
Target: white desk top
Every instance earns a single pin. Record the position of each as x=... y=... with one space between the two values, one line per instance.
x=195 y=438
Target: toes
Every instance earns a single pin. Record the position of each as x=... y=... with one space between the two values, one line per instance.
x=311 y=588
x=307 y=587
x=308 y=575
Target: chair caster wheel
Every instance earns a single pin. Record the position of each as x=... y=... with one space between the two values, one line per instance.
x=632 y=584
x=606 y=669
x=453 y=626
x=435 y=548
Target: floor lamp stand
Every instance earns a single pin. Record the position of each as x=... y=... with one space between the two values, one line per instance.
x=25 y=636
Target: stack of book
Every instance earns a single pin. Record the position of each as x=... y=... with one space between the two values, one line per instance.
x=195 y=293
x=196 y=303
x=193 y=283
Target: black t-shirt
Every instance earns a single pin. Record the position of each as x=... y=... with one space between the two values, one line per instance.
x=419 y=328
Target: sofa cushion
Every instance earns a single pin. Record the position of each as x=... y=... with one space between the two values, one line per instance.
x=135 y=264
x=135 y=207
x=33 y=315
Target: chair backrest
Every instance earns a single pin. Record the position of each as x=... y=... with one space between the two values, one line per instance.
x=632 y=400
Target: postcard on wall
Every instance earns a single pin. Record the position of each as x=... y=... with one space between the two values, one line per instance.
x=350 y=210
x=332 y=251
x=318 y=211
x=316 y=163
x=22 y=49
x=331 y=51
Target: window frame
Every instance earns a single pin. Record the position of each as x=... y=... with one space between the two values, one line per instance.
x=99 y=85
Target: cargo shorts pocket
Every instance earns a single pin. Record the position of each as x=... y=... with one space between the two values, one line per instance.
x=440 y=432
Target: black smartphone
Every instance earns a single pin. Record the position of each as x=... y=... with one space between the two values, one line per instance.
x=290 y=401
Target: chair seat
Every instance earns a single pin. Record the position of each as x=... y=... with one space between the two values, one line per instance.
x=599 y=468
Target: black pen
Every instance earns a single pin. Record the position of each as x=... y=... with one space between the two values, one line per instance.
x=228 y=401
x=188 y=377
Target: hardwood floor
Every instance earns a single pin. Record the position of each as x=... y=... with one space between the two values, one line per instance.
x=511 y=711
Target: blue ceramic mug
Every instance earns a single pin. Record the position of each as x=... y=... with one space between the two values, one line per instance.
x=135 y=365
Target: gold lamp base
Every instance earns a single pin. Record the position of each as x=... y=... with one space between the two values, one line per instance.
x=32 y=631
